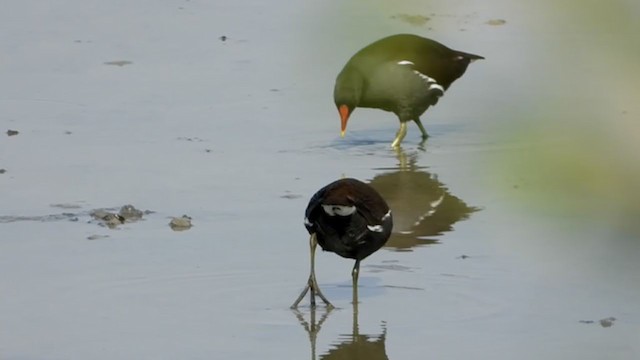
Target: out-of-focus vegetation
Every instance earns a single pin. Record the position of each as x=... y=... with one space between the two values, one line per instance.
x=561 y=83
x=579 y=131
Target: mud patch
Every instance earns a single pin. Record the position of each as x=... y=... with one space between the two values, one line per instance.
x=496 y=22
x=415 y=20
x=126 y=214
x=110 y=217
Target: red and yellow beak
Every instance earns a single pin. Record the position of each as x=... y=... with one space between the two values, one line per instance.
x=344 y=116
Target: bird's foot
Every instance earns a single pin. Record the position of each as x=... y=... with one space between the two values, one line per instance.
x=422 y=145
x=312 y=285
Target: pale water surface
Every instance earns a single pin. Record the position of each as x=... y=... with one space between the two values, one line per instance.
x=142 y=102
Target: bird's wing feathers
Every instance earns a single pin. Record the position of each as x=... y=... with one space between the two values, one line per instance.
x=310 y=214
x=369 y=204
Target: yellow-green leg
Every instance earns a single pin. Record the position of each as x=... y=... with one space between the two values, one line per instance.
x=312 y=284
x=354 y=276
x=402 y=132
x=422 y=130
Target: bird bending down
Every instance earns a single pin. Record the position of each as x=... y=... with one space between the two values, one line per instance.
x=349 y=218
x=403 y=74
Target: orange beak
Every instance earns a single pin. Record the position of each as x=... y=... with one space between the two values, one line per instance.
x=344 y=116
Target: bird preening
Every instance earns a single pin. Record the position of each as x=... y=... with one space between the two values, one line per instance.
x=404 y=74
x=349 y=218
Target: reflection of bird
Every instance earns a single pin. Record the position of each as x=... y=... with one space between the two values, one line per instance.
x=359 y=346
x=404 y=74
x=349 y=346
x=422 y=205
x=349 y=218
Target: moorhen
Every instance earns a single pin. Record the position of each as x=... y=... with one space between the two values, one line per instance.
x=349 y=218
x=404 y=74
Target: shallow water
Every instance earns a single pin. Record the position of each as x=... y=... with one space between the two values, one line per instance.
x=145 y=104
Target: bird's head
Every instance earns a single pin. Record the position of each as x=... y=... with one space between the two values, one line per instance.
x=346 y=95
x=345 y=111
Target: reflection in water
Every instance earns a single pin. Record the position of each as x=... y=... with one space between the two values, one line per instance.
x=422 y=206
x=354 y=346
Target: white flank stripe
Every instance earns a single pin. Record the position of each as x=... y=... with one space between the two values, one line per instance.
x=425 y=77
x=436 y=86
x=431 y=82
x=375 y=228
x=436 y=203
x=405 y=62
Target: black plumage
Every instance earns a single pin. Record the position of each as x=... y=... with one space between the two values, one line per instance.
x=349 y=218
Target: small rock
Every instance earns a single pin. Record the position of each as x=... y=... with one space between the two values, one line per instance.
x=607 y=322
x=109 y=219
x=180 y=223
x=130 y=213
x=2 y=171
x=223 y=38
x=12 y=132
x=113 y=220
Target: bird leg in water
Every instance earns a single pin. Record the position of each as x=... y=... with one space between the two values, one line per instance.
x=402 y=132
x=354 y=276
x=312 y=284
x=422 y=130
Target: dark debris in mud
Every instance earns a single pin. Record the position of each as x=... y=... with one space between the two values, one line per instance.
x=97 y=237
x=289 y=195
x=41 y=218
x=66 y=206
x=191 y=139
x=2 y=171
x=119 y=63
x=126 y=214
x=12 y=132
x=605 y=323
x=110 y=217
